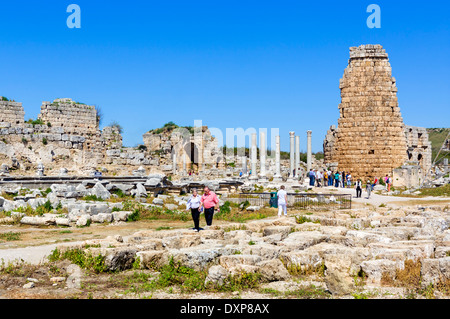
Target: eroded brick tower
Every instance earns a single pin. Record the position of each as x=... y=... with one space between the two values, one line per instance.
x=369 y=140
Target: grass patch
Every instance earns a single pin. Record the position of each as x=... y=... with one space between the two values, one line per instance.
x=300 y=271
x=163 y=228
x=304 y=219
x=81 y=258
x=236 y=212
x=427 y=192
x=93 y=198
x=10 y=236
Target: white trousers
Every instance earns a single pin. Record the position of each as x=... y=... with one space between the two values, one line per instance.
x=282 y=208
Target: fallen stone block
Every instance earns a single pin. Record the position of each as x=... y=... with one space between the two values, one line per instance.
x=38 y=221
x=273 y=270
x=375 y=269
x=151 y=259
x=217 y=275
x=282 y=230
x=234 y=260
x=102 y=218
x=121 y=216
x=303 y=240
x=434 y=271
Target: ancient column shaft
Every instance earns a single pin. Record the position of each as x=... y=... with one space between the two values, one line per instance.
x=254 y=157
x=297 y=156
x=308 y=151
x=292 y=154
x=277 y=177
x=262 y=154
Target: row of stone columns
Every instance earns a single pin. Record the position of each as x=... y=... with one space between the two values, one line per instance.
x=294 y=166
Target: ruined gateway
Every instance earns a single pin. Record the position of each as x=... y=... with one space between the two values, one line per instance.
x=371 y=140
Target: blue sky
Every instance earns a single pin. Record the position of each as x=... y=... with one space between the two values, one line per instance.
x=231 y=64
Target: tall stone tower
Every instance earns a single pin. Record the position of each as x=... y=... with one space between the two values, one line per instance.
x=370 y=139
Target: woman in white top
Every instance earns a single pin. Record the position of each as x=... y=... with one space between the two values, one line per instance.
x=194 y=204
x=282 y=201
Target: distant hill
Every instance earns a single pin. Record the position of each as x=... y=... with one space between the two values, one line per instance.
x=437 y=137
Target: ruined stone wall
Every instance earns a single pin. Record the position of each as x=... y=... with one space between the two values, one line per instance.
x=370 y=140
x=111 y=138
x=75 y=119
x=12 y=113
x=419 y=147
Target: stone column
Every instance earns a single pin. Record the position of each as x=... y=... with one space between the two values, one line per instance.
x=254 y=157
x=262 y=156
x=445 y=165
x=184 y=164
x=174 y=163
x=297 y=157
x=291 y=157
x=244 y=166
x=277 y=177
x=308 y=152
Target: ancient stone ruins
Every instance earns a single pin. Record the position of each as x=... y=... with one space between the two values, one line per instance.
x=371 y=139
x=330 y=244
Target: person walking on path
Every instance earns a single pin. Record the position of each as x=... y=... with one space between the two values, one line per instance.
x=343 y=179
x=368 y=189
x=282 y=201
x=319 y=178
x=330 y=178
x=336 y=179
x=349 y=180
x=209 y=201
x=358 y=187
x=194 y=205
x=389 y=183
x=312 y=178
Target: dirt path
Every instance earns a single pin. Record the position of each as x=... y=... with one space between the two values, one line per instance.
x=377 y=200
x=33 y=245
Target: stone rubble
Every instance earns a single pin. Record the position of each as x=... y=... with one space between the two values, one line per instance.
x=272 y=246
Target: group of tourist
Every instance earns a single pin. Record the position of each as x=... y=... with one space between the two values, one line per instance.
x=321 y=178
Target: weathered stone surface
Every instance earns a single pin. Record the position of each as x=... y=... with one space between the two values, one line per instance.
x=273 y=270
x=234 y=260
x=217 y=275
x=83 y=220
x=120 y=259
x=152 y=259
x=374 y=269
x=100 y=191
x=121 y=216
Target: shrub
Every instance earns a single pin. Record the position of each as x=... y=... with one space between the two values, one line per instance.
x=302 y=219
x=81 y=258
x=134 y=216
x=116 y=125
x=35 y=122
x=44 y=141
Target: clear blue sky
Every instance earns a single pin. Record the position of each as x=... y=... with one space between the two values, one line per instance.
x=261 y=64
